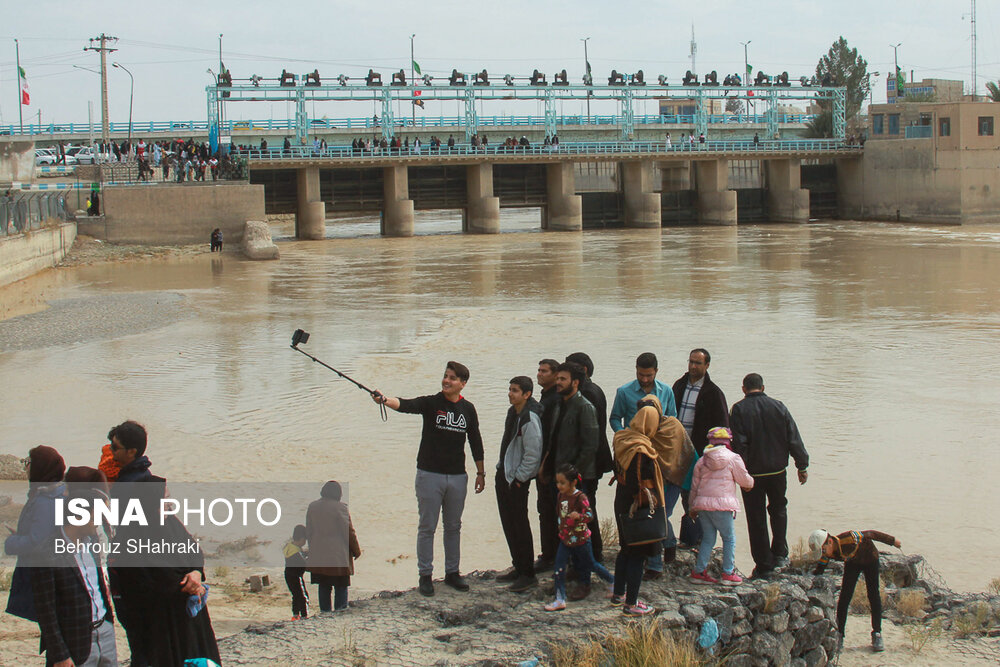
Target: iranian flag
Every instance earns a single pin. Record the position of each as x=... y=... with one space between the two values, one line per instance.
x=23 y=80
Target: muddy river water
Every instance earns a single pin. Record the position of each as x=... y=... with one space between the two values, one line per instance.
x=881 y=339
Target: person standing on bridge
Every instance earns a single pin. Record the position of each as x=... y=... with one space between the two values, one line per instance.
x=442 y=483
x=451 y=143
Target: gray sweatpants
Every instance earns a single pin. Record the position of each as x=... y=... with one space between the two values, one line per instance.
x=439 y=495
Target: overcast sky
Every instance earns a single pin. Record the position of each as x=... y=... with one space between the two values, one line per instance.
x=169 y=45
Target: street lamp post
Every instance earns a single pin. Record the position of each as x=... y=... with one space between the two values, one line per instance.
x=746 y=60
x=586 y=65
x=131 y=91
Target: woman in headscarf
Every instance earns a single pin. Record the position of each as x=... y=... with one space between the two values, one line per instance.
x=36 y=524
x=651 y=449
x=676 y=457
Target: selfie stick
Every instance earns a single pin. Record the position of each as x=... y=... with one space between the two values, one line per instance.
x=301 y=336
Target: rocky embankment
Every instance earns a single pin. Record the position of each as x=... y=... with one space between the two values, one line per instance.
x=786 y=621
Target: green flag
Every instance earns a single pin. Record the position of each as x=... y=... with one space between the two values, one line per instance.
x=749 y=70
x=416 y=68
x=900 y=82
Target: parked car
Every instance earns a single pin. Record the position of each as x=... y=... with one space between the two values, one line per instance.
x=44 y=156
x=49 y=156
x=82 y=154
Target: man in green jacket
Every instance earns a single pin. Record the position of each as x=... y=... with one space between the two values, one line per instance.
x=573 y=434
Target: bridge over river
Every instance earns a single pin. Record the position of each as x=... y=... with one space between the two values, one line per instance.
x=312 y=182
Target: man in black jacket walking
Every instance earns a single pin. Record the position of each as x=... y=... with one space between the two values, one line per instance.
x=765 y=435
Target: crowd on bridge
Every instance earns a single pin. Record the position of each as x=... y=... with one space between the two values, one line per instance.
x=179 y=160
x=671 y=443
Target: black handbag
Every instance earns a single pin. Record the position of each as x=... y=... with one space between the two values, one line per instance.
x=643 y=524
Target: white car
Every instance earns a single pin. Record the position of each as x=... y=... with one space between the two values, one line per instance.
x=48 y=156
x=44 y=156
x=81 y=154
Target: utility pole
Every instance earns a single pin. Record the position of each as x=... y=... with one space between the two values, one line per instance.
x=104 y=50
x=586 y=64
x=974 y=83
x=20 y=111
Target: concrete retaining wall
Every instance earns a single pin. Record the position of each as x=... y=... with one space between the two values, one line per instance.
x=17 y=161
x=169 y=214
x=917 y=180
x=26 y=254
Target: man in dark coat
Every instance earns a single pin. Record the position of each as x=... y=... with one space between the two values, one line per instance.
x=548 y=525
x=603 y=460
x=701 y=406
x=765 y=435
x=151 y=593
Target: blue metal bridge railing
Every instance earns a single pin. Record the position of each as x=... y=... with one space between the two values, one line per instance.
x=237 y=127
x=597 y=148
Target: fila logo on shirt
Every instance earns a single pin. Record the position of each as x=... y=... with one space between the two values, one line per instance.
x=448 y=421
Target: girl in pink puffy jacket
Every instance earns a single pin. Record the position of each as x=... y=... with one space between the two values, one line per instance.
x=715 y=502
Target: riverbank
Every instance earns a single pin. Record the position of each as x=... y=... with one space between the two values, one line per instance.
x=759 y=623
x=87 y=251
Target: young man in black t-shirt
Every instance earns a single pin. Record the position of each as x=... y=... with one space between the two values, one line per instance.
x=442 y=482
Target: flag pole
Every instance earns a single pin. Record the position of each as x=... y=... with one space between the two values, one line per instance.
x=413 y=102
x=20 y=111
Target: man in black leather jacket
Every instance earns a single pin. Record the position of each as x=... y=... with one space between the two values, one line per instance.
x=765 y=435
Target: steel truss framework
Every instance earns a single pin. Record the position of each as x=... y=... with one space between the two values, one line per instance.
x=625 y=96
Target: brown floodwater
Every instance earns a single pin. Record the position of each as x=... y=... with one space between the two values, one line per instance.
x=881 y=340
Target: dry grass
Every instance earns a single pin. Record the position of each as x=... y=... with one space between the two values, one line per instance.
x=349 y=650
x=609 y=531
x=5 y=578
x=859 y=603
x=221 y=572
x=771 y=594
x=799 y=554
x=911 y=603
x=994 y=587
x=973 y=622
x=643 y=644
x=921 y=635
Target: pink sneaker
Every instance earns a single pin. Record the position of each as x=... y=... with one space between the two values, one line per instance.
x=640 y=608
x=732 y=579
x=703 y=578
